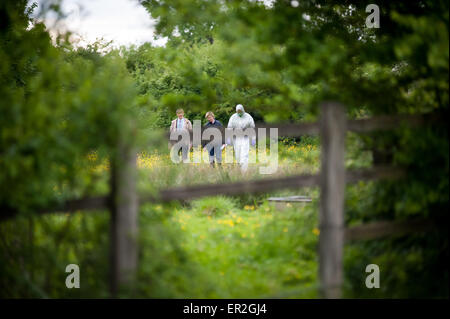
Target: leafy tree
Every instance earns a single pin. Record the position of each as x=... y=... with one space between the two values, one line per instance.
x=292 y=57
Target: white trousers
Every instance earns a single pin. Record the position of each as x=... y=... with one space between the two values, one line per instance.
x=241 y=149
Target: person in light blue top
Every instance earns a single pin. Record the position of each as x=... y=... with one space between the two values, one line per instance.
x=180 y=123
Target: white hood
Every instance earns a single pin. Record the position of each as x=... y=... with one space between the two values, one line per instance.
x=242 y=122
x=240 y=107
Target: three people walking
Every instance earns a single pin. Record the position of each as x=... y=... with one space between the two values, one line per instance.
x=241 y=143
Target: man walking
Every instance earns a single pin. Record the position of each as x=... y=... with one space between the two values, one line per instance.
x=214 y=147
x=241 y=120
x=181 y=124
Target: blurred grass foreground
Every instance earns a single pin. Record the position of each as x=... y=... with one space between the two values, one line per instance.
x=64 y=110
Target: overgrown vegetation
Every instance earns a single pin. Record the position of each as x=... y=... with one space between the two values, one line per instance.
x=64 y=109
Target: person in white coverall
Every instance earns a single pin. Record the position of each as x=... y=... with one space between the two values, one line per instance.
x=241 y=120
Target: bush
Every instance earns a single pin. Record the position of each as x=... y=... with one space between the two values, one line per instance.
x=214 y=206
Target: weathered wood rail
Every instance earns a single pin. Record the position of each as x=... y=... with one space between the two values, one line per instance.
x=123 y=201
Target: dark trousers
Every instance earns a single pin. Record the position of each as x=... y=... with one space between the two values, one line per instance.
x=214 y=150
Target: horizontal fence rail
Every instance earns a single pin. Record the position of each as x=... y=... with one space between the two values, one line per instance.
x=268 y=184
x=374 y=230
x=390 y=122
x=189 y=192
x=383 y=122
x=375 y=123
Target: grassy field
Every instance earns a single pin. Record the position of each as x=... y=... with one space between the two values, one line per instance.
x=245 y=247
x=254 y=251
x=214 y=247
x=241 y=247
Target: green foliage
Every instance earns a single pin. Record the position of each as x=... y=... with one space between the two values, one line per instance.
x=166 y=269
x=251 y=252
x=64 y=110
x=214 y=206
x=58 y=105
x=34 y=253
x=417 y=262
x=295 y=57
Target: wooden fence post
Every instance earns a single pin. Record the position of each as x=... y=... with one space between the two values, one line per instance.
x=124 y=215
x=332 y=188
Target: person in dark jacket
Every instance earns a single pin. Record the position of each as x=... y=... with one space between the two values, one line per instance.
x=214 y=148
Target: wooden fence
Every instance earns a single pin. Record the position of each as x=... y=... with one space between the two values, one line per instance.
x=123 y=201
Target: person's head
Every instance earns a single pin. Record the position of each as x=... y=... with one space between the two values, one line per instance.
x=240 y=110
x=210 y=117
x=180 y=113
